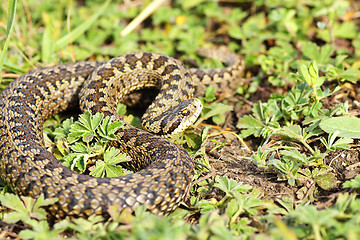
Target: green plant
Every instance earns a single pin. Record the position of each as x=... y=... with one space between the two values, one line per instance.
x=84 y=140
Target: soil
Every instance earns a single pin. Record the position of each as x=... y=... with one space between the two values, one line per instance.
x=232 y=159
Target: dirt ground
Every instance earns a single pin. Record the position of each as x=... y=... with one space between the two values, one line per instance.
x=231 y=159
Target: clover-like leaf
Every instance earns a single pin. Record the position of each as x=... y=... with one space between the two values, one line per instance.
x=108 y=128
x=229 y=186
x=108 y=167
x=85 y=127
x=64 y=130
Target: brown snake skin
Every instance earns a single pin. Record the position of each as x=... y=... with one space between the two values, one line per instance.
x=28 y=101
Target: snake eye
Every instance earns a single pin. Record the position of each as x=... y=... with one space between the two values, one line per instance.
x=185 y=112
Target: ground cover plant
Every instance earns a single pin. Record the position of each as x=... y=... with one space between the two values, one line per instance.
x=278 y=160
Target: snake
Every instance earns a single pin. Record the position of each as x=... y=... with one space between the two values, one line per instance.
x=163 y=170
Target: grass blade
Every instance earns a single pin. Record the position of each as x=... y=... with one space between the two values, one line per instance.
x=10 y=23
x=78 y=31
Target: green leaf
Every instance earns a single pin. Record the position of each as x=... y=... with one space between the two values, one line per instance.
x=313 y=71
x=193 y=140
x=99 y=169
x=251 y=125
x=214 y=110
x=348 y=127
x=79 y=147
x=108 y=166
x=325 y=54
x=113 y=156
x=210 y=94
x=64 y=130
x=294 y=155
x=347 y=29
x=14 y=202
x=187 y=4
x=353 y=183
x=310 y=50
x=326 y=181
x=25 y=208
x=85 y=127
x=121 y=109
x=76 y=161
x=113 y=171
x=350 y=75
x=291 y=131
x=341 y=143
x=41 y=231
x=236 y=32
x=303 y=71
x=108 y=128
x=230 y=186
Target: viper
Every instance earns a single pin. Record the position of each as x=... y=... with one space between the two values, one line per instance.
x=164 y=170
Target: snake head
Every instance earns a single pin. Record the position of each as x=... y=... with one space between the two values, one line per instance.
x=175 y=119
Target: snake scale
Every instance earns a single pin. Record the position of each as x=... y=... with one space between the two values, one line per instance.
x=167 y=168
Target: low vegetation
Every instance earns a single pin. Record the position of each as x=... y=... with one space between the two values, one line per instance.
x=279 y=160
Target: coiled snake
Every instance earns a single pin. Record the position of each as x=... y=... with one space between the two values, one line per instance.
x=32 y=98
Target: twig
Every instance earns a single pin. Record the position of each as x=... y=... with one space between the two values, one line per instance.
x=142 y=16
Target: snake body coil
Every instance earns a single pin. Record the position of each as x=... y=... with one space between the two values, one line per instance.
x=32 y=98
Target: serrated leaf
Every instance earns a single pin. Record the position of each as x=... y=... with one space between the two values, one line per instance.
x=81 y=162
x=12 y=201
x=291 y=131
x=93 y=121
x=107 y=129
x=75 y=161
x=85 y=127
x=248 y=122
x=350 y=75
x=310 y=50
x=108 y=167
x=121 y=109
x=113 y=156
x=215 y=109
x=295 y=155
x=41 y=201
x=353 y=183
x=99 y=169
x=79 y=147
x=25 y=207
x=64 y=130
x=229 y=186
x=41 y=230
x=113 y=171
x=348 y=127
